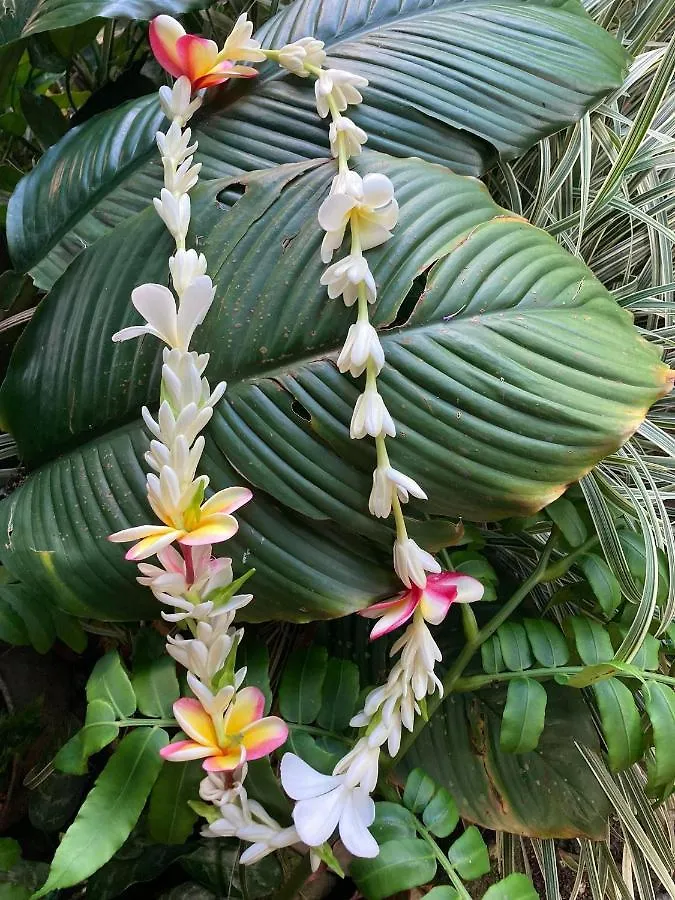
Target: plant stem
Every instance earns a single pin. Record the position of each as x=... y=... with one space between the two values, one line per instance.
x=309 y=729
x=445 y=863
x=299 y=875
x=455 y=671
x=476 y=682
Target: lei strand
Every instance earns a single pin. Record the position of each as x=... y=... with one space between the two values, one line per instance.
x=224 y=722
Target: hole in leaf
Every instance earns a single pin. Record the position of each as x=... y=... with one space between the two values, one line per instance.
x=406 y=308
x=229 y=195
x=301 y=411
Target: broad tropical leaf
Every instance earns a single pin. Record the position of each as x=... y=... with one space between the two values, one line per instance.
x=507 y=323
x=451 y=81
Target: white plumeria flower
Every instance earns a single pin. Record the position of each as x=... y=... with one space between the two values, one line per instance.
x=346 y=182
x=240 y=44
x=343 y=131
x=411 y=563
x=371 y=416
x=386 y=480
x=362 y=347
x=345 y=276
x=306 y=51
x=177 y=103
x=185 y=266
x=174 y=212
x=179 y=180
x=175 y=144
x=326 y=802
x=341 y=87
x=169 y=579
x=368 y=207
x=174 y=326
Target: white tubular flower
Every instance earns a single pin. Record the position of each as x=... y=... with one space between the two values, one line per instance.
x=179 y=180
x=345 y=276
x=307 y=51
x=240 y=44
x=341 y=87
x=326 y=802
x=204 y=661
x=182 y=381
x=360 y=766
x=370 y=206
x=411 y=563
x=352 y=136
x=214 y=703
x=177 y=103
x=174 y=212
x=175 y=144
x=386 y=480
x=371 y=416
x=185 y=266
x=174 y=326
x=361 y=347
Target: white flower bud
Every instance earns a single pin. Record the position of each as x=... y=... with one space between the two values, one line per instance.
x=371 y=416
x=411 y=563
x=361 y=347
x=343 y=130
x=306 y=51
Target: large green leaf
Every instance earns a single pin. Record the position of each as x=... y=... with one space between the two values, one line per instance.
x=508 y=324
x=451 y=81
x=549 y=792
x=21 y=18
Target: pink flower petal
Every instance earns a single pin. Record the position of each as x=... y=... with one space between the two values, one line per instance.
x=212 y=530
x=248 y=707
x=151 y=545
x=378 y=609
x=226 y=501
x=196 y=722
x=164 y=34
x=225 y=762
x=261 y=738
x=182 y=751
x=396 y=616
x=197 y=56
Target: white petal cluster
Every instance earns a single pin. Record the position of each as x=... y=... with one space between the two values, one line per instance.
x=411 y=562
x=339 y=88
x=239 y=44
x=368 y=204
x=296 y=57
x=371 y=416
x=177 y=103
x=346 y=275
x=346 y=134
x=388 y=481
x=361 y=348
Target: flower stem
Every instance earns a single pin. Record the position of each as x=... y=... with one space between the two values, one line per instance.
x=401 y=530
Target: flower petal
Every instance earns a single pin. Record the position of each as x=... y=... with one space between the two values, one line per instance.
x=377 y=189
x=334 y=210
x=133 y=331
x=137 y=532
x=225 y=762
x=398 y=615
x=182 y=751
x=358 y=813
x=149 y=546
x=261 y=738
x=194 y=304
x=157 y=305
x=469 y=589
x=248 y=707
x=195 y=722
x=316 y=818
x=301 y=781
x=220 y=74
x=226 y=501
x=213 y=529
x=378 y=609
x=164 y=34
x=197 y=55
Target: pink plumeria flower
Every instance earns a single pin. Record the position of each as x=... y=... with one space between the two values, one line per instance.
x=196 y=57
x=240 y=735
x=209 y=523
x=434 y=601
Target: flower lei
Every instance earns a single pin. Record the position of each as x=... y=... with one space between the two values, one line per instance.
x=224 y=723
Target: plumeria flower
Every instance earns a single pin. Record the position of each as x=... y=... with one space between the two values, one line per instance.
x=327 y=802
x=249 y=821
x=369 y=208
x=240 y=44
x=361 y=348
x=177 y=102
x=173 y=325
x=433 y=601
x=371 y=416
x=343 y=131
x=224 y=744
x=170 y=576
x=411 y=563
x=194 y=57
x=345 y=276
x=386 y=480
x=209 y=523
x=305 y=52
x=340 y=87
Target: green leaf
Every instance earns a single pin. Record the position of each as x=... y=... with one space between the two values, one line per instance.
x=548 y=643
x=442 y=892
x=99 y=730
x=514 y=887
x=590 y=675
x=155 y=686
x=399 y=866
x=592 y=640
x=110 y=810
x=317 y=551
x=621 y=724
x=491 y=656
x=309 y=749
x=448 y=113
x=69 y=630
x=660 y=706
x=10 y=853
x=54 y=802
x=514 y=646
x=392 y=822
x=524 y=715
x=419 y=789
x=441 y=814
x=170 y=819
x=301 y=684
x=340 y=693
x=437 y=534
x=603 y=582
x=254 y=655
x=26 y=612
x=469 y=854
x=44 y=118
x=134 y=863
x=27 y=17
x=549 y=792
x=215 y=864
x=263 y=785
x=563 y=514
x=109 y=681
